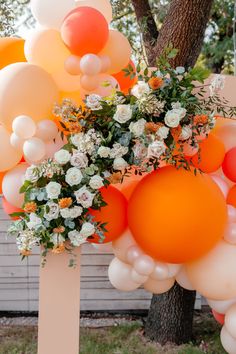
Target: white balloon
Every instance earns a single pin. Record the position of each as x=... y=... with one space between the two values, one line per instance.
x=174 y=269
x=228 y=342
x=183 y=280
x=121 y=245
x=102 y=6
x=106 y=63
x=231 y=213
x=133 y=253
x=72 y=65
x=144 y=265
x=230 y=234
x=51 y=13
x=90 y=64
x=138 y=278
x=159 y=286
x=16 y=141
x=24 y=127
x=221 y=306
x=230 y=321
x=161 y=271
x=34 y=149
x=46 y=130
x=120 y=276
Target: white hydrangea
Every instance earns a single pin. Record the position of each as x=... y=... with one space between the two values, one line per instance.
x=118 y=150
x=62 y=157
x=104 y=151
x=163 y=133
x=141 y=89
x=186 y=133
x=53 y=190
x=34 y=222
x=172 y=119
x=31 y=174
x=76 y=238
x=156 y=149
x=87 y=230
x=93 y=102
x=79 y=160
x=73 y=176
x=96 y=182
x=137 y=128
x=84 y=197
x=123 y=113
x=52 y=211
x=119 y=164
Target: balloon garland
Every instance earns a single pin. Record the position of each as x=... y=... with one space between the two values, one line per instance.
x=136 y=164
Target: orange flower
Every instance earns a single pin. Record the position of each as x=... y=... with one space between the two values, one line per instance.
x=30 y=207
x=201 y=119
x=115 y=178
x=59 y=230
x=25 y=253
x=65 y=203
x=175 y=132
x=155 y=83
x=153 y=127
x=59 y=249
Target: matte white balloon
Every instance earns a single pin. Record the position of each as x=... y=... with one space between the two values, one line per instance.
x=24 y=127
x=161 y=271
x=138 y=278
x=228 y=342
x=183 y=280
x=230 y=234
x=133 y=253
x=221 y=306
x=90 y=64
x=144 y=265
x=16 y=141
x=34 y=149
x=121 y=245
x=120 y=276
x=72 y=65
x=158 y=286
x=46 y=130
x=230 y=321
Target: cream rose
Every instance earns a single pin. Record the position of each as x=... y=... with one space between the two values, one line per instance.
x=141 y=89
x=84 y=197
x=172 y=119
x=79 y=160
x=163 y=133
x=62 y=157
x=96 y=182
x=119 y=164
x=87 y=230
x=137 y=128
x=53 y=190
x=104 y=151
x=123 y=113
x=93 y=102
x=76 y=238
x=73 y=176
x=156 y=149
x=186 y=133
x=51 y=211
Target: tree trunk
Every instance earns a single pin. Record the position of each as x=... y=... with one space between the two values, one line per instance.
x=170 y=317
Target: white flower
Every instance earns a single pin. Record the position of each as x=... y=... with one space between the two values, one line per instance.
x=156 y=149
x=62 y=156
x=31 y=174
x=118 y=150
x=77 y=139
x=141 y=89
x=180 y=70
x=79 y=160
x=84 y=197
x=34 y=222
x=96 y=182
x=76 y=238
x=93 y=102
x=181 y=112
x=163 y=133
x=104 y=151
x=75 y=212
x=57 y=239
x=119 y=164
x=52 y=211
x=106 y=174
x=73 y=176
x=137 y=128
x=186 y=133
x=65 y=213
x=53 y=190
x=87 y=230
x=217 y=84
x=172 y=119
x=140 y=151
x=86 y=142
x=123 y=113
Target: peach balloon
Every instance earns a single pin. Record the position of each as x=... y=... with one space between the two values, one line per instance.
x=119 y=274
x=228 y=342
x=183 y=280
x=106 y=63
x=10 y=209
x=221 y=184
x=138 y=278
x=230 y=234
x=176 y=216
x=26 y=89
x=119 y=51
x=11 y=51
x=174 y=269
x=227 y=135
x=24 y=127
x=221 y=306
x=75 y=96
x=34 y=150
x=46 y=130
x=230 y=321
x=144 y=265
x=17 y=142
x=133 y=253
x=66 y=82
x=89 y=83
x=103 y=6
x=11 y=156
x=231 y=198
x=122 y=245
x=161 y=271
x=72 y=65
x=107 y=84
x=213 y=275
x=90 y=64
x=159 y=286
x=231 y=213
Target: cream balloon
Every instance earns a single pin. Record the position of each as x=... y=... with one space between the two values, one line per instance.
x=51 y=13
x=11 y=156
x=120 y=276
x=24 y=127
x=138 y=278
x=183 y=280
x=46 y=130
x=90 y=64
x=54 y=146
x=11 y=184
x=89 y=83
x=231 y=213
x=230 y=234
x=221 y=184
x=107 y=84
x=144 y=265
x=103 y=6
x=26 y=89
x=221 y=306
x=17 y=142
x=161 y=271
x=227 y=134
x=118 y=50
x=46 y=49
x=213 y=275
x=174 y=269
x=158 y=286
x=133 y=253
x=230 y=321
x=66 y=82
x=121 y=245
x=34 y=149
x=228 y=342
x=106 y=63
x=72 y=65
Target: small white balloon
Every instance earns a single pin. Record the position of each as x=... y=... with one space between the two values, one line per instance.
x=230 y=321
x=138 y=278
x=144 y=265
x=121 y=245
x=158 y=286
x=228 y=342
x=231 y=213
x=90 y=64
x=221 y=306
x=72 y=65
x=120 y=276
x=182 y=280
x=174 y=269
x=106 y=63
x=230 y=234
x=24 y=127
x=17 y=142
x=133 y=253
x=46 y=130
x=161 y=271
x=34 y=149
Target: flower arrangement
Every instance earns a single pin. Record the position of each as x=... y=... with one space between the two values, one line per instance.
x=160 y=121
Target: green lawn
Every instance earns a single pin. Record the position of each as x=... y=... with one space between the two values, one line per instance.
x=125 y=339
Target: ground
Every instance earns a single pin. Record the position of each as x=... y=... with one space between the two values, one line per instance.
x=124 y=337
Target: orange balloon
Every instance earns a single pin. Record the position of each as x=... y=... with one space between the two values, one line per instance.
x=11 y=51
x=176 y=216
x=125 y=81
x=114 y=214
x=212 y=153
x=220 y=122
x=10 y=209
x=1 y=178
x=231 y=198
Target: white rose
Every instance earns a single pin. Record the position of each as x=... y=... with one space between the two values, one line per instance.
x=76 y=212
x=62 y=157
x=53 y=211
x=65 y=213
x=34 y=222
x=163 y=133
x=84 y=197
x=79 y=160
x=141 y=89
x=31 y=174
x=96 y=182
x=140 y=151
x=118 y=150
x=123 y=113
x=137 y=128
x=73 y=176
x=76 y=238
x=93 y=102
x=104 y=151
x=119 y=164
x=53 y=190
x=172 y=119
x=77 y=139
x=186 y=133
x=156 y=149
x=181 y=112
x=87 y=230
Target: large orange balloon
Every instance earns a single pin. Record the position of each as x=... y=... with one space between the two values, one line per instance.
x=231 y=198
x=176 y=216
x=11 y=51
x=85 y=30
x=125 y=81
x=212 y=153
x=114 y=214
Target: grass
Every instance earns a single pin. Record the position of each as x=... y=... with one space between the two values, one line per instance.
x=124 y=339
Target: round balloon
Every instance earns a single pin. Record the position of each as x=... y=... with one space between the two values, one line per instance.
x=227 y=134
x=231 y=198
x=24 y=127
x=114 y=214
x=229 y=164
x=221 y=306
x=107 y=84
x=34 y=150
x=66 y=82
x=103 y=6
x=158 y=286
x=26 y=89
x=176 y=216
x=10 y=209
x=46 y=130
x=122 y=244
x=228 y=342
x=230 y=321
x=11 y=51
x=11 y=156
x=120 y=276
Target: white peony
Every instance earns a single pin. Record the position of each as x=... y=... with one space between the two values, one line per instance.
x=76 y=238
x=118 y=150
x=137 y=128
x=172 y=119
x=34 y=222
x=73 y=176
x=93 y=102
x=53 y=190
x=186 y=133
x=119 y=164
x=123 y=113
x=104 y=151
x=163 y=133
x=52 y=211
x=87 y=230
x=156 y=149
x=79 y=160
x=96 y=182
x=62 y=157
x=141 y=89
x=31 y=174
x=84 y=197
